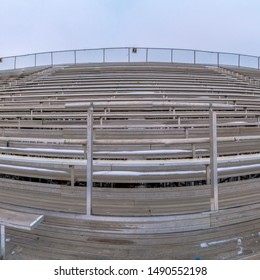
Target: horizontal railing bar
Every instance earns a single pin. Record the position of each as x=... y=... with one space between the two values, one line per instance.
x=138 y=48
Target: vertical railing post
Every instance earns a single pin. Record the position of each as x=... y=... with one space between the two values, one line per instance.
x=213 y=160
x=35 y=60
x=146 y=59
x=75 y=57
x=239 y=57
x=15 y=62
x=218 y=59
x=171 y=55
x=51 y=58
x=89 y=161
x=194 y=56
x=129 y=53
x=104 y=55
x=2 y=229
x=258 y=62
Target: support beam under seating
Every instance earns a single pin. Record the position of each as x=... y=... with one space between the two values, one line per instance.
x=2 y=241
x=16 y=220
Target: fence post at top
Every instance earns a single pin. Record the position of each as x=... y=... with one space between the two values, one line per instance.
x=75 y=57
x=104 y=55
x=218 y=58
x=171 y=55
x=15 y=62
x=258 y=62
x=194 y=57
x=239 y=57
x=35 y=62
x=213 y=160
x=89 y=172
x=129 y=53
x=146 y=59
x=51 y=58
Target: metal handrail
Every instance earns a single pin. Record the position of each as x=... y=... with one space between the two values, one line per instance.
x=127 y=55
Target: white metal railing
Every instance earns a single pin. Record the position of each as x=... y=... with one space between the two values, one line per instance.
x=129 y=54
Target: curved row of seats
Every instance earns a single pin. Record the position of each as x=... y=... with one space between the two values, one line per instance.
x=44 y=105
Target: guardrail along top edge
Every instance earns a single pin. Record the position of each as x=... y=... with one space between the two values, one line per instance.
x=51 y=53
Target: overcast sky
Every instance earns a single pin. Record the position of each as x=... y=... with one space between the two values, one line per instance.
x=29 y=26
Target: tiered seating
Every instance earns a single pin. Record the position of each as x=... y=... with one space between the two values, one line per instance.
x=151 y=143
x=41 y=109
